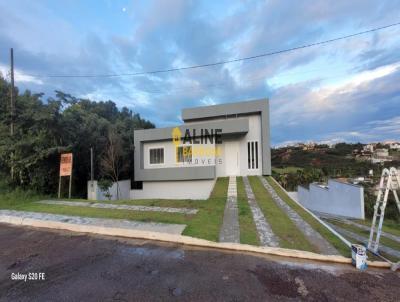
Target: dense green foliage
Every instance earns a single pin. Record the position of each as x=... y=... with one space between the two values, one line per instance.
x=321 y=162
x=44 y=128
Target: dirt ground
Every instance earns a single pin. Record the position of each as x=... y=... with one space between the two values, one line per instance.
x=79 y=267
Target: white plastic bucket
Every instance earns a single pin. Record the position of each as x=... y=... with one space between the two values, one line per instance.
x=359 y=256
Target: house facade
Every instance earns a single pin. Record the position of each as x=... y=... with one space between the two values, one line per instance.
x=183 y=162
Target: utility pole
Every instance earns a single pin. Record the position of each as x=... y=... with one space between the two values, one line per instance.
x=12 y=108
x=91 y=165
x=91 y=170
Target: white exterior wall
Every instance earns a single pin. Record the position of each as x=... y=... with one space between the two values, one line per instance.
x=254 y=134
x=94 y=192
x=185 y=189
x=336 y=199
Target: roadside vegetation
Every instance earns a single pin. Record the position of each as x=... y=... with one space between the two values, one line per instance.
x=389 y=225
x=282 y=226
x=364 y=233
x=46 y=127
x=248 y=231
x=315 y=224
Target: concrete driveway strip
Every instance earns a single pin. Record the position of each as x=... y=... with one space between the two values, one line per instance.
x=312 y=236
x=100 y=222
x=102 y=205
x=230 y=231
x=265 y=233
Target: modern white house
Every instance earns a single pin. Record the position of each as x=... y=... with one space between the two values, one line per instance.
x=183 y=162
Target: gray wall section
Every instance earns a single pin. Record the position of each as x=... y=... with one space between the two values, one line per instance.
x=337 y=198
x=204 y=116
x=236 y=126
x=179 y=173
x=255 y=106
x=95 y=193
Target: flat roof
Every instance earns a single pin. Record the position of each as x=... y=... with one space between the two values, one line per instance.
x=224 y=109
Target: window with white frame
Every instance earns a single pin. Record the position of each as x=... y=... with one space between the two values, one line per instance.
x=252 y=155
x=156 y=156
x=184 y=154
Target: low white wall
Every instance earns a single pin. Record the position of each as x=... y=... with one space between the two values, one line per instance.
x=185 y=189
x=94 y=192
x=337 y=198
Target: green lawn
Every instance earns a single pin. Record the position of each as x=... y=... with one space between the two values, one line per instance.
x=283 y=227
x=205 y=224
x=248 y=231
x=315 y=224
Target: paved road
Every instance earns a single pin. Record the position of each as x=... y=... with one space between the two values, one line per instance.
x=79 y=267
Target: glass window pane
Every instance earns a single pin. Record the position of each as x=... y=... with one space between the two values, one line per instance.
x=256 y=143
x=252 y=155
x=157 y=156
x=248 y=155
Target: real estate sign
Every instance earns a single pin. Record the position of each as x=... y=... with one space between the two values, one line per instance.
x=66 y=164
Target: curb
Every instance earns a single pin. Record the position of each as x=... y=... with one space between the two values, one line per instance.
x=186 y=240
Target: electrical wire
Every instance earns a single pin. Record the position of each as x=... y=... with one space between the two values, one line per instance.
x=215 y=63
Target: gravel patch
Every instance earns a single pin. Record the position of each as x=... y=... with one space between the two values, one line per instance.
x=119 y=206
x=113 y=223
x=230 y=231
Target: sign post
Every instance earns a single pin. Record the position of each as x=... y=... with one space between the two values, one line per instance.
x=65 y=170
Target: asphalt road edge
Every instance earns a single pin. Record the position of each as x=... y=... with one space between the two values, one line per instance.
x=181 y=239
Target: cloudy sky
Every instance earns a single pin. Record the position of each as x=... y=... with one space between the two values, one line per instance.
x=343 y=91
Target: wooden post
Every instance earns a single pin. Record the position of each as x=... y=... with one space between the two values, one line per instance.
x=70 y=179
x=59 y=187
x=12 y=108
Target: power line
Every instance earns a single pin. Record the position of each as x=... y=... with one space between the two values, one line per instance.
x=220 y=62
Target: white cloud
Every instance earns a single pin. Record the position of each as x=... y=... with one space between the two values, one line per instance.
x=20 y=76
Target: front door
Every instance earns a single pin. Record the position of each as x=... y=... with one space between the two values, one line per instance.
x=232 y=158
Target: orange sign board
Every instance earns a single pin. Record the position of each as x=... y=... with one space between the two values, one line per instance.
x=66 y=164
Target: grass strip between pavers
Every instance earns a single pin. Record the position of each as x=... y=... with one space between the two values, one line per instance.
x=282 y=226
x=248 y=231
x=342 y=248
x=207 y=222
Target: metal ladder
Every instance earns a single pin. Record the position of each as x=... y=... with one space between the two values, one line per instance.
x=390 y=181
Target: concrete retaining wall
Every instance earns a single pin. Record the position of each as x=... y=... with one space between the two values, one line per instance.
x=94 y=192
x=337 y=198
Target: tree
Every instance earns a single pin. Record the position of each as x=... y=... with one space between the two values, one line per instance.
x=44 y=128
x=112 y=163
